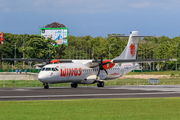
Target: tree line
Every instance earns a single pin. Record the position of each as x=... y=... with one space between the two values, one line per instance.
x=82 y=47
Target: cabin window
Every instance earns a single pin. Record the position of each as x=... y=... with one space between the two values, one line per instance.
x=56 y=69
x=53 y=69
x=48 y=69
x=43 y=69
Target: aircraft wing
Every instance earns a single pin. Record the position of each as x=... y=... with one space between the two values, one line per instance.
x=20 y=59
x=36 y=60
x=93 y=61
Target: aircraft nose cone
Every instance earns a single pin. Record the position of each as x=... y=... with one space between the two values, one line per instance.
x=41 y=77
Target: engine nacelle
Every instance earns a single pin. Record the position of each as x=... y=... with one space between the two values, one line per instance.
x=89 y=80
x=54 y=61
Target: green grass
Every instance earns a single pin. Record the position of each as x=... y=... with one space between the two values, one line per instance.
x=92 y=109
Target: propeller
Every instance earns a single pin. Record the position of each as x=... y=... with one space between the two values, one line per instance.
x=100 y=64
x=46 y=61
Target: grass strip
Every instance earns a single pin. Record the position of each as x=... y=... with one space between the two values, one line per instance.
x=93 y=109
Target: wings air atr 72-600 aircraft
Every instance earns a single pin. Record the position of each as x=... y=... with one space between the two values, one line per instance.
x=94 y=71
x=91 y=71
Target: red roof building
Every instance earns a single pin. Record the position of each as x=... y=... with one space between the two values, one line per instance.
x=1 y=38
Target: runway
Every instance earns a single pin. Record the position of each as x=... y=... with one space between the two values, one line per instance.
x=8 y=94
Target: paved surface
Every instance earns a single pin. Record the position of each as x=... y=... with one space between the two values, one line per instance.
x=89 y=92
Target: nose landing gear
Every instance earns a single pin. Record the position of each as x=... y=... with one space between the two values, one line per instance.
x=46 y=86
x=74 y=85
x=100 y=84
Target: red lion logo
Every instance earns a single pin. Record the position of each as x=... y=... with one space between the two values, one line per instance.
x=132 y=49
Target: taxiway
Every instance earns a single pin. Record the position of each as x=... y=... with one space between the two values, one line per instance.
x=89 y=92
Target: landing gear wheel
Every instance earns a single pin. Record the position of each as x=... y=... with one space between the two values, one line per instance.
x=74 y=85
x=100 y=84
x=46 y=86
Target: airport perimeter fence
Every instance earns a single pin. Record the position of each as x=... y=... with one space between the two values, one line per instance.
x=150 y=70
x=21 y=70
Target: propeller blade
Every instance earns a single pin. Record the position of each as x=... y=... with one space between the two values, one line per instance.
x=94 y=57
x=103 y=53
x=50 y=58
x=102 y=56
x=44 y=59
x=98 y=74
x=106 y=63
x=105 y=71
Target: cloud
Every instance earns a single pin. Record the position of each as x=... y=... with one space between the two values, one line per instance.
x=141 y=5
x=5 y=10
x=86 y=6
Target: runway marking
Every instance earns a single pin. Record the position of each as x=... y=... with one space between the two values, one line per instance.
x=85 y=95
x=151 y=89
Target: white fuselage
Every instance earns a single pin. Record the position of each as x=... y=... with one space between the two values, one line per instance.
x=78 y=72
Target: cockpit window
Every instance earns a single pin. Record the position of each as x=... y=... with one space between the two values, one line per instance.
x=48 y=69
x=43 y=69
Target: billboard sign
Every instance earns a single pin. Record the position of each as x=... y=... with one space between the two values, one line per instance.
x=1 y=37
x=57 y=34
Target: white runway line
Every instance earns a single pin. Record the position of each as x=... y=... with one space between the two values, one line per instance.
x=86 y=95
x=150 y=88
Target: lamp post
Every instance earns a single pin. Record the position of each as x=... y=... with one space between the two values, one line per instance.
x=73 y=53
x=176 y=55
x=109 y=49
x=15 y=55
x=168 y=52
x=76 y=53
x=23 y=52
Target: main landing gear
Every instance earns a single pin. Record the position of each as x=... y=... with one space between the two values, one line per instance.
x=100 y=84
x=74 y=85
x=46 y=86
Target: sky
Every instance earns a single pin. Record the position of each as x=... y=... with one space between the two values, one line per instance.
x=92 y=17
